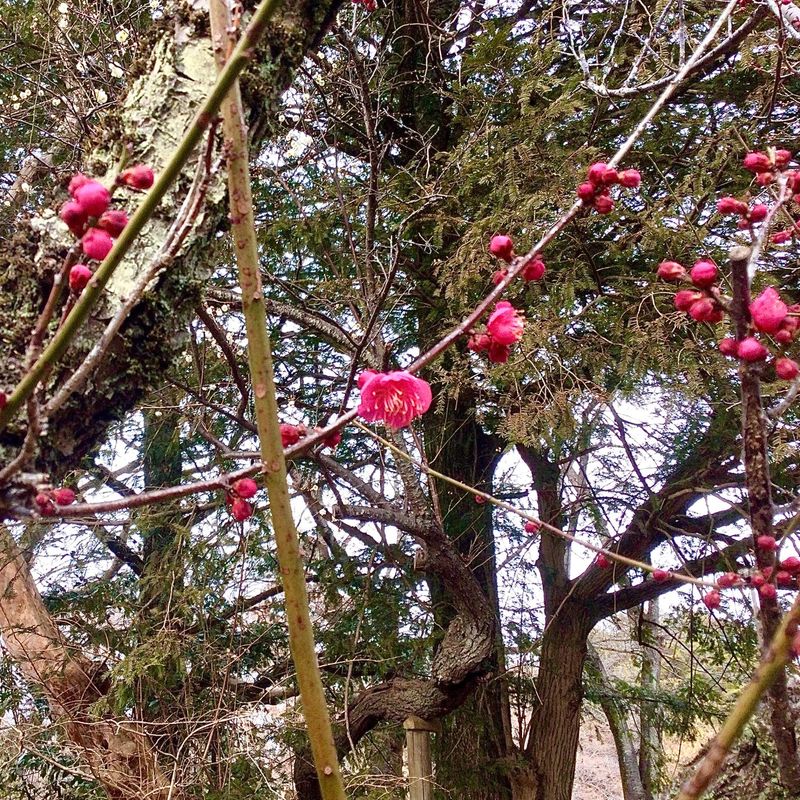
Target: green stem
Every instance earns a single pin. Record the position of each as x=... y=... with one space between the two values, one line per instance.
x=90 y=295
x=298 y=617
x=774 y=660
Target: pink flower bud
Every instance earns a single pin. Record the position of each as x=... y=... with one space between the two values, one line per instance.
x=730 y=205
x=603 y=204
x=505 y=324
x=729 y=347
x=728 y=580
x=712 y=600
x=703 y=310
x=610 y=176
x=757 y=162
x=596 y=171
x=241 y=509
x=786 y=369
x=534 y=270
x=783 y=157
x=502 y=247
x=499 y=276
x=63 y=496
x=781 y=237
x=750 y=349
x=661 y=575
x=768 y=591
x=783 y=578
x=45 y=505
x=757 y=580
x=765 y=178
x=97 y=243
x=704 y=273
x=93 y=198
x=289 y=434
x=78 y=180
x=74 y=216
x=767 y=543
x=602 y=561
x=768 y=311
x=671 y=271
x=686 y=298
x=498 y=353
x=79 y=276
x=479 y=342
x=630 y=178
x=332 y=440
x=113 y=221
x=138 y=177
x=586 y=192
x=758 y=213
x=245 y=487
x=532 y=527
x=791 y=564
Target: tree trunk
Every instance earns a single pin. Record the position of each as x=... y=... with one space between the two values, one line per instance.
x=552 y=745
x=650 y=676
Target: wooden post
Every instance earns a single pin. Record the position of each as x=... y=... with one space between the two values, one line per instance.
x=418 y=748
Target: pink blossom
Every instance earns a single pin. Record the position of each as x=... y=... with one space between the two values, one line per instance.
x=603 y=204
x=395 y=398
x=63 y=496
x=596 y=171
x=505 y=324
x=768 y=311
x=78 y=180
x=96 y=243
x=729 y=346
x=730 y=205
x=686 y=298
x=241 y=509
x=586 y=191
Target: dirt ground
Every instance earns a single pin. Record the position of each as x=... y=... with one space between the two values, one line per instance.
x=597 y=769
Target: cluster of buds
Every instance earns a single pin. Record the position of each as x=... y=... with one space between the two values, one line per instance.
x=90 y=219
x=769 y=316
x=241 y=491
x=503 y=328
x=292 y=434
x=503 y=248
x=747 y=216
x=48 y=502
x=703 y=302
x=595 y=191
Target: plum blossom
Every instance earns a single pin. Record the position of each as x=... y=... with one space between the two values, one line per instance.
x=505 y=324
x=395 y=398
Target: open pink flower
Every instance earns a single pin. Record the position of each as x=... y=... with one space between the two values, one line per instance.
x=393 y=397
x=768 y=311
x=505 y=324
